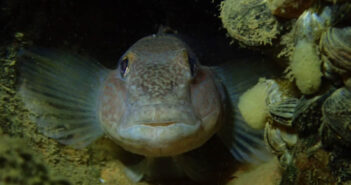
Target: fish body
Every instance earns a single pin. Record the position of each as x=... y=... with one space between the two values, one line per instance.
x=159 y=102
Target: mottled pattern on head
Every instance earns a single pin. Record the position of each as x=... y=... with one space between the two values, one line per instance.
x=159 y=70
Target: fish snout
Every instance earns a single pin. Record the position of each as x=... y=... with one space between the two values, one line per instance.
x=161 y=130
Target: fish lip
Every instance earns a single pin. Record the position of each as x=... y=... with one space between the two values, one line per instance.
x=162 y=141
x=146 y=132
x=159 y=124
x=168 y=114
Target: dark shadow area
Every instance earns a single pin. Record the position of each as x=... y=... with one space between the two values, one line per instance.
x=105 y=29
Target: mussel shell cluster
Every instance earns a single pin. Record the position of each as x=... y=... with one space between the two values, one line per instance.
x=335 y=49
x=318 y=117
x=280 y=107
x=316 y=27
x=312 y=24
x=279 y=137
x=280 y=141
x=308 y=114
x=328 y=115
x=256 y=23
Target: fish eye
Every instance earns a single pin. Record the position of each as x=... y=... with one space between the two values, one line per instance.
x=124 y=66
x=193 y=65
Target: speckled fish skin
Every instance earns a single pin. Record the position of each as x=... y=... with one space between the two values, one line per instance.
x=157 y=107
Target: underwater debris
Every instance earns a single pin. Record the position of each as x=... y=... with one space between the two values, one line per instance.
x=313 y=167
x=268 y=173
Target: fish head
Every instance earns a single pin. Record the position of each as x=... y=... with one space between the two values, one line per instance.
x=160 y=101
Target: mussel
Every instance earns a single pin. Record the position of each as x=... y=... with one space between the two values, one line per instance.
x=280 y=142
x=249 y=21
x=335 y=47
x=305 y=64
x=279 y=136
x=336 y=116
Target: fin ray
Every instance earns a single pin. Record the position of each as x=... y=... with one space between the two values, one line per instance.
x=62 y=91
x=245 y=143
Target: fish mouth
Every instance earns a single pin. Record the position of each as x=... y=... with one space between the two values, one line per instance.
x=160 y=133
x=160 y=115
x=161 y=124
x=162 y=130
x=162 y=139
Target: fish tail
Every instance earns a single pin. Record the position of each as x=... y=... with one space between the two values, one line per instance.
x=62 y=91
x=245 y=143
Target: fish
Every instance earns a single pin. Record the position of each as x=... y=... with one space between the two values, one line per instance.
x=159 y=101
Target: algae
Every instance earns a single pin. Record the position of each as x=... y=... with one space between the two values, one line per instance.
x=20 y=165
